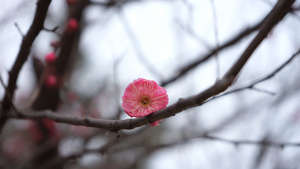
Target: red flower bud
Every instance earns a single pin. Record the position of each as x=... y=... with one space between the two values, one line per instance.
x=55 y=44
x=72 y=2
x=72 y=25
x=50 y=58
x=50 y=81
x=49 y=124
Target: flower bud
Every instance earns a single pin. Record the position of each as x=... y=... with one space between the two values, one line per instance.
x=54 y=44
x=50 y=80
x=50 y=58
x=72 y=25
x=72 y=2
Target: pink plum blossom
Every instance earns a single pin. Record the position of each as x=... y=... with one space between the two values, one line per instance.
x=143 y=97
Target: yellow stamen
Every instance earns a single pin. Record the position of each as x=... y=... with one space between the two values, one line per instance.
x=145 y=101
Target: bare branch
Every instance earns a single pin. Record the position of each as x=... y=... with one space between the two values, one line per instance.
x=52 y=30
x=19 y=29
x=278 y=69
x=136 y=45
x=35 y=28
x=251 y=86
x=229 y=43
x=278 y=12
x=221 y=85
x=152 y=148
x=207 y=56
x=10 y=97
x=260 y=143
x=215 y=19
x=48 y=98
x=111 y=125
x=193 y=34
x=263 y=91
x=60 y=160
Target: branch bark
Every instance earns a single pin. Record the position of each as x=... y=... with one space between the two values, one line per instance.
x=35 y=28
x=48 y=97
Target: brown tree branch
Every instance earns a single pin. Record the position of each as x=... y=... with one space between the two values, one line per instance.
x=107 y=148
x=278 y=12
x=260 y=143
x=19 y=29
x=48 y=97
x=9 y=97
x=36 y=26
x=252 y=85
x=53 y=30
x=207 y=56
x=229 y=43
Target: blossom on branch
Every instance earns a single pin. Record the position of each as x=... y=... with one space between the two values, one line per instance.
x=51 y=80
x=72 y=25
x=143 y=97
x=72 y=2
x=50 y=58
x=54 y=44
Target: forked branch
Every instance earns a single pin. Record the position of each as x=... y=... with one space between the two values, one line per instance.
x=277 y=14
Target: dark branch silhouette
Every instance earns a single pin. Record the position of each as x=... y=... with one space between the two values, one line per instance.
x=35 y=28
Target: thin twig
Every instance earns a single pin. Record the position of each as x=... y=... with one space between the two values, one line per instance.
x=215 y=21
x=34 y=30
x=207 y=56
x=193 y=35
x=49 y=98
x=263 y=91
x=52 y=30
x=260 y=143
x=19 y=29
x=188 y=27
x=136 y=45
x=153 y=148
x=278 y=69
x=251 y=86
x=10 y=98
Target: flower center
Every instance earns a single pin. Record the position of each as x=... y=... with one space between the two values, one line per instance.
x=145 y=101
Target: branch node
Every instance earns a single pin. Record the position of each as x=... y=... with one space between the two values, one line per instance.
x=52 y=30
x=149 y=120
x=86 y=121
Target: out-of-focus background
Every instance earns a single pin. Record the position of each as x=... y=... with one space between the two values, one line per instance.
x=154 y=39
